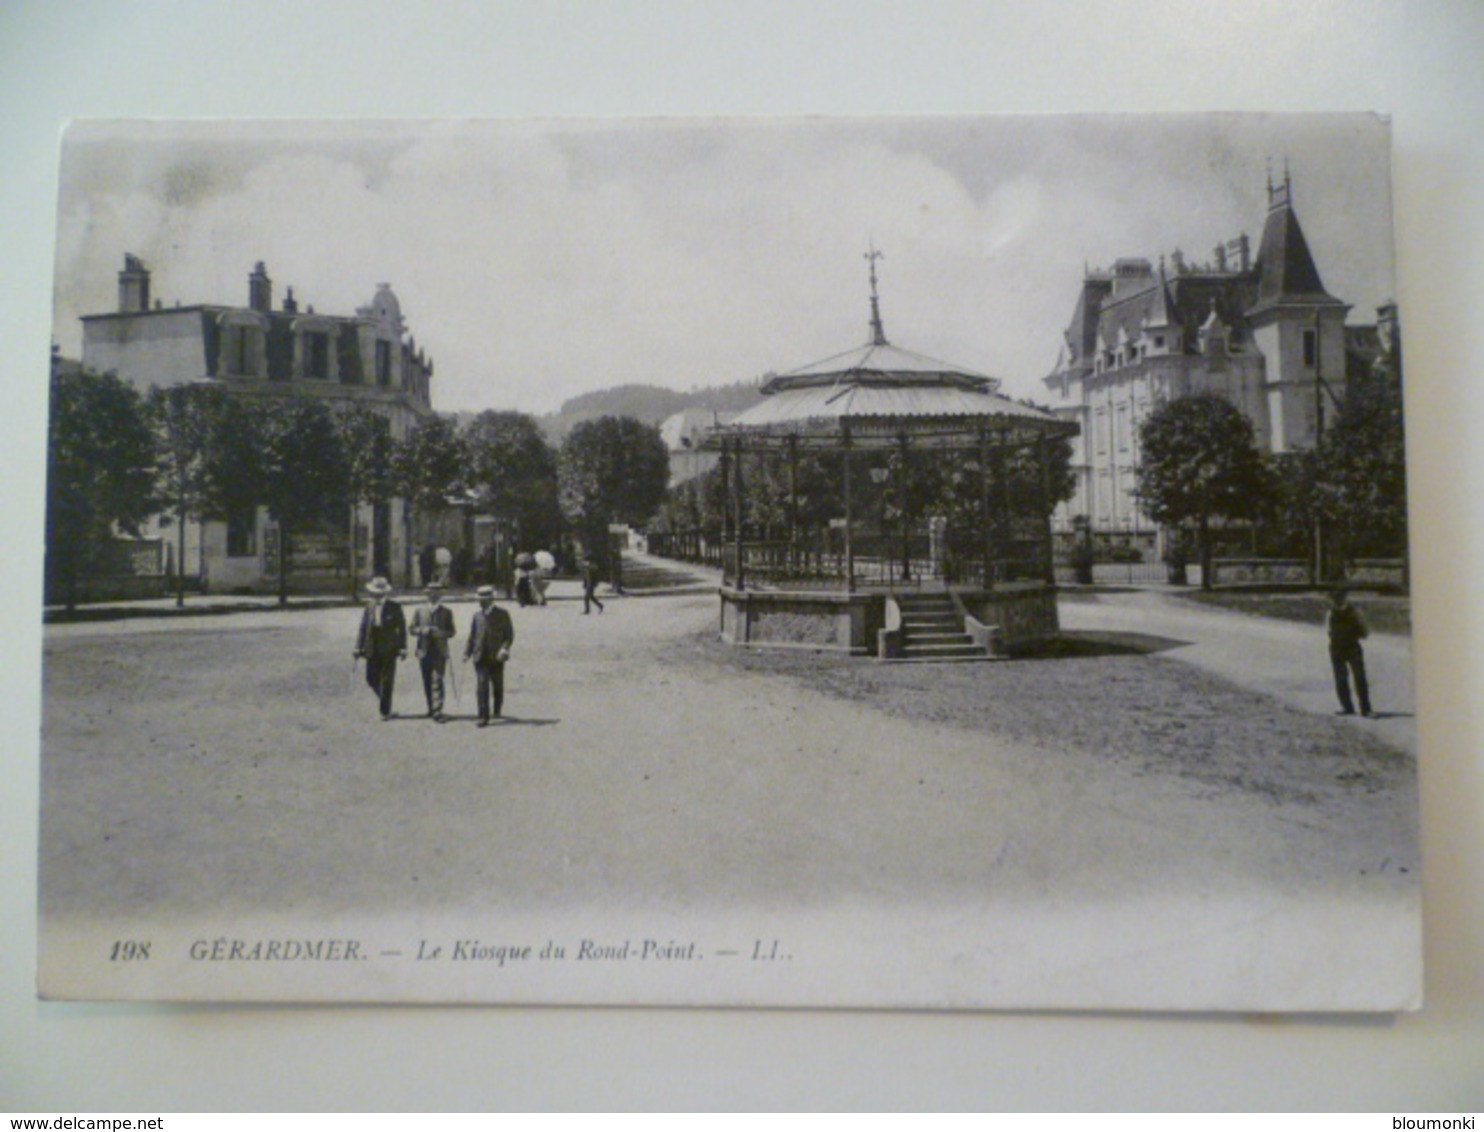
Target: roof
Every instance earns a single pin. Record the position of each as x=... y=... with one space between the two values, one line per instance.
x=875 y=362
x=882 y=392
x=687 y=427
x=1285 y=269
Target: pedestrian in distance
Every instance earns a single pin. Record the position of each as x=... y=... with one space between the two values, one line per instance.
x=1346 y=655
x=433 y=626
x=525 y=579
x=545 y=568
x=382 y=641
x=491 y=635
x=590 y=586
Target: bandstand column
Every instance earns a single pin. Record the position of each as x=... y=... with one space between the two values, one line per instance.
x=726 y=497
x=984 y=508
x=1048 y=551
x=849 y=512
x=902 y=496
x=793 y=504
x=737 y=522
x=1002 y=527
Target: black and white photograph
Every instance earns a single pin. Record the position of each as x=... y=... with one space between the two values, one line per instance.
x=889 y=562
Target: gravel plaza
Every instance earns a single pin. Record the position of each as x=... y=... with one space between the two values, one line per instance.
x=1168 y=792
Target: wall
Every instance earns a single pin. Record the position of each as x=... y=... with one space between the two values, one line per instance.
x=158 y=348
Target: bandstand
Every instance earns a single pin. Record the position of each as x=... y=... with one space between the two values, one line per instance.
x=916 y=590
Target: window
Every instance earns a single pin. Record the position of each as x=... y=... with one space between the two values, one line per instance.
x=317 y=355
x=383 y=362
x=237 y=354
x=1311 y=346
x=242 y=532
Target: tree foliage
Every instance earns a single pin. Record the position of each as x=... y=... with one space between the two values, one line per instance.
x=369 y=449
x=512 y=472
x=611 y=470
x=1359 y=480
x=1201 y=462
x=100 y=471
x=303 y=470
x=365 y=437
x=430 y=464
x=195 y=471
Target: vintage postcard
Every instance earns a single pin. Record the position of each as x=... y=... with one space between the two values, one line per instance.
x=890 y=562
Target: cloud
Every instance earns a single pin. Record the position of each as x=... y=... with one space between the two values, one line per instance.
x=537 y=260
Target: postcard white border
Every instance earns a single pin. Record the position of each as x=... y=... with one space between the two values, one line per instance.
x=843 y=59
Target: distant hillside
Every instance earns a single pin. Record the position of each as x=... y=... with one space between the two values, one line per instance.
x=648 y=403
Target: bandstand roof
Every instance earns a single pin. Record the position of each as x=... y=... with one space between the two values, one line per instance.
x=878 y=392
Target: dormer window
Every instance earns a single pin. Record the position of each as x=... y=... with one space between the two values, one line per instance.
x=241 y=349
x=383 y=362
x=317 y=355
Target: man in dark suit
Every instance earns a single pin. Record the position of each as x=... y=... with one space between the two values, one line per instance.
x=491 y=634
x=432 y=625
x=382 y=641
x=1346 y=654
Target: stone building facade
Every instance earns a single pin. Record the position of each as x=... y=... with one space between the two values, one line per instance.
x=258 y=351
x=1260 y=331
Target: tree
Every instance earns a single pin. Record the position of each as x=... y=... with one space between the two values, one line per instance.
x=303 y=471
x=611 y=470
x=100 y=470
x=187 y=422
x=1201 y=462
x=430 y=464
x=370 y=456
x=512 y=472
x=1360 y=472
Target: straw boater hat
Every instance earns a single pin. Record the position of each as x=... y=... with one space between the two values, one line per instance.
x=431 y=586
x=485 y=591
x=378 y=586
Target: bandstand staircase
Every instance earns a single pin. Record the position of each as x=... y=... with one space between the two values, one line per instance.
x=933 y=629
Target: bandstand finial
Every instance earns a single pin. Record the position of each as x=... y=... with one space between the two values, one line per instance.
x=878 y=332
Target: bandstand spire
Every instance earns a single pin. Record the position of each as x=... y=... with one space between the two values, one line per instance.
x=878 y=332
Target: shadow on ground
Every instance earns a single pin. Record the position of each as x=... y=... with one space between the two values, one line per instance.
x=1076 y=645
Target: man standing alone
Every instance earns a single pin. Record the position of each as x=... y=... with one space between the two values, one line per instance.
x=590 y=585
x=382 y=641
x=491 y=634
x=432 y=625
x=1346 y=656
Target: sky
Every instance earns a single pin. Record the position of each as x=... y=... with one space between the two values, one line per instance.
x=539 y=259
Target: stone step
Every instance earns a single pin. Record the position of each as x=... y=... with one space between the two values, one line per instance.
x=925 y=652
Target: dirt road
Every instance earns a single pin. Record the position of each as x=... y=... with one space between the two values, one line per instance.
x=1278 y=658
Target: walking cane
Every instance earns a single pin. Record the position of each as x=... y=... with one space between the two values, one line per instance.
x=453 y=678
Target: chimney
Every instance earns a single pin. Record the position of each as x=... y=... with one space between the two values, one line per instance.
x=1220 y=257
x=290 y=304
x=260 y=289
x=133 y=285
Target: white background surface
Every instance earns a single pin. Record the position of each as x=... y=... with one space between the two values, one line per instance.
x=1422 y=62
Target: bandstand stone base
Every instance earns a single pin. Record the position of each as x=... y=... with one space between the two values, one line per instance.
x=849 y=624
